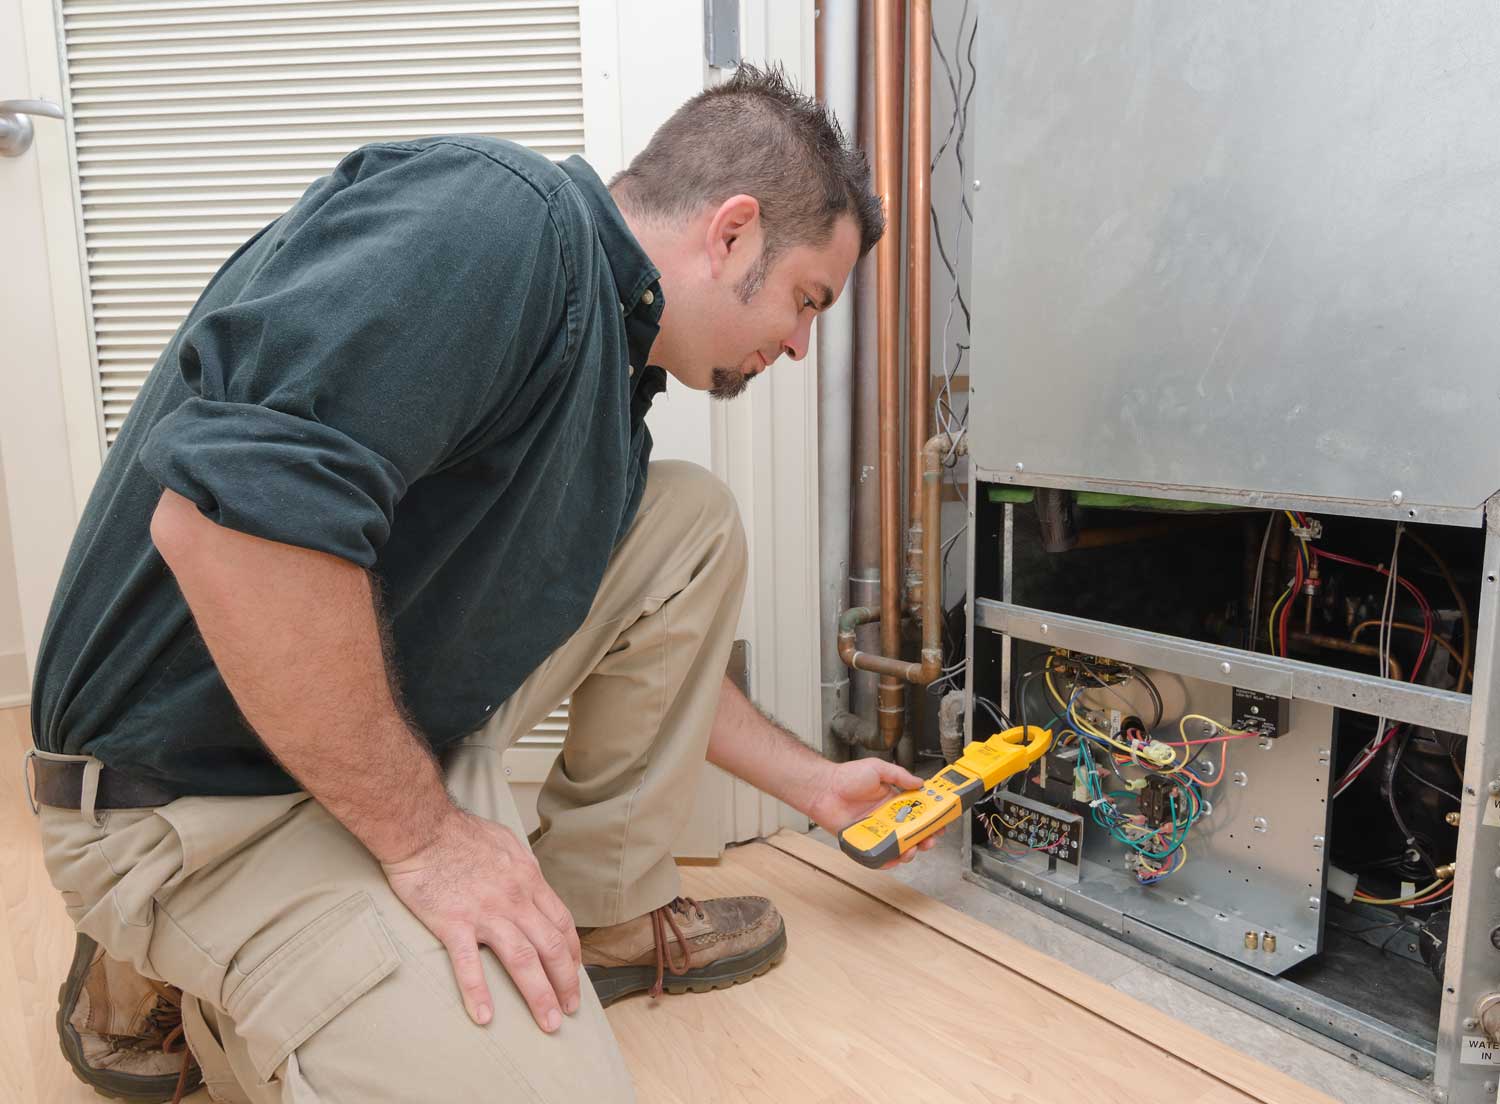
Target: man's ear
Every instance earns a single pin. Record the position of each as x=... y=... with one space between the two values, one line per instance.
x=734 y=233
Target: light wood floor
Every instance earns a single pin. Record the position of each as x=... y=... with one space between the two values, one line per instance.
x=868 y=1004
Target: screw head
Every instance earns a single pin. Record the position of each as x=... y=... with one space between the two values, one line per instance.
x=1494 y=786
x=1470 y=1023
x=1225 y=667
x=1044 y=630
x=1020 y=466
x=976 y=185
x=1396 y=497
x=1260 y=824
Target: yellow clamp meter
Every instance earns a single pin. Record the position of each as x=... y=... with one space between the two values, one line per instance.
x=907 y=819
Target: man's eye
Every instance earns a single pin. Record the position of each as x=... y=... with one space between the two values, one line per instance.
x=807 y=302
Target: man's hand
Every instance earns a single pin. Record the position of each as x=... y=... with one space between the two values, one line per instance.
x=851 y=791
x=476 y=884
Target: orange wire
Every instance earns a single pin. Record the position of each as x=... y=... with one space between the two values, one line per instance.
x=1223 y=765
x=1433 y=896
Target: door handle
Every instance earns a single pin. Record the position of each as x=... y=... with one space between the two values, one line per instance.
x=15 y=123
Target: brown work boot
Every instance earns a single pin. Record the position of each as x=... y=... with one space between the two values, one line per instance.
x=686 y=945
x=121 y=1032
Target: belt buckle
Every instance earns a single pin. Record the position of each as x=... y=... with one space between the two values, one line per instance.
x=26 y=780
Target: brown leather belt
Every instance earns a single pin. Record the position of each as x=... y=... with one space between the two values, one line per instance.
x=60 y=785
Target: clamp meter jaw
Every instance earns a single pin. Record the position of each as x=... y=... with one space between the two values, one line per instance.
x=907 y=819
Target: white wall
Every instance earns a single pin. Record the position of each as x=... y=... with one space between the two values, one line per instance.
x=12 y=644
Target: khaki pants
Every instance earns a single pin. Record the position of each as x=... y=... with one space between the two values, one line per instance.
x=309 y=981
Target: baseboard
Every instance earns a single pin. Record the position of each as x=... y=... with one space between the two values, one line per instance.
x=15 y=687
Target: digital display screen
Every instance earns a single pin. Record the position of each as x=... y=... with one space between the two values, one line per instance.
x=955 y=778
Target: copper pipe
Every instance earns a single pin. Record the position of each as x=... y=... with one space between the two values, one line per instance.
x=1438 y=640
x=918 y=283
x=1334 y=644
x=864 y=568
x=888 y=57
x=1149 y=530
x=931 y=666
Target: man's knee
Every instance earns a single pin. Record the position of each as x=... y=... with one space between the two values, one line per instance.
x=705 y=506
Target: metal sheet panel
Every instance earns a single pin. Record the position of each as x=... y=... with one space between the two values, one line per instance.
x=1241 y=246
x=1257 y=857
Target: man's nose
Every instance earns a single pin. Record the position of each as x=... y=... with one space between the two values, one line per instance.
x=796 y=345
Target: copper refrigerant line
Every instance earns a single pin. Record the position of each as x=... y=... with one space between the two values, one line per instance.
x=923 y=562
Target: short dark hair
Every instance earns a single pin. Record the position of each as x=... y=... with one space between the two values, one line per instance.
x=756 y=135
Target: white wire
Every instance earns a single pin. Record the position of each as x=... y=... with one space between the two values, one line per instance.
x=1387 y=632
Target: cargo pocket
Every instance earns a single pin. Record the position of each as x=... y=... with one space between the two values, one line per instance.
x=309 y=980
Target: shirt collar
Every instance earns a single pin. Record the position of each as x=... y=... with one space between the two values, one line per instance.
x=636 y=278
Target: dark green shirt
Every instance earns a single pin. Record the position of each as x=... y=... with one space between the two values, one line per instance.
x=433 y=366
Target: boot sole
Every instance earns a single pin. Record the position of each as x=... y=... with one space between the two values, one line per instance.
x=613 y=982
x=107 y=1083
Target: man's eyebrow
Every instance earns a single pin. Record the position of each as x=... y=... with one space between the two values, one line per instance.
x=825 y=296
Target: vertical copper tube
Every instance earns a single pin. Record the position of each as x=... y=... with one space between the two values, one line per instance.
x=864 y=568
x=918 y=286
x=889 y=49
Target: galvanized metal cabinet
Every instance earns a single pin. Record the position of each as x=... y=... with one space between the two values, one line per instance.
x=1249 y=254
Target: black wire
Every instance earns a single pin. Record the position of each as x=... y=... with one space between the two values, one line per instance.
x=1021 y=697
x=1135 y=673
x=963 y=119
x=937 y=228
x=956 y=88
x=1431 y=785
x=1388 y=787
x=996 y=712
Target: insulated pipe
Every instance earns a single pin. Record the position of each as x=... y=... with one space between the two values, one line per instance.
x=889 y=49
x=838 y=70
x=931 y=665
x=918 y=283
x=864 y=574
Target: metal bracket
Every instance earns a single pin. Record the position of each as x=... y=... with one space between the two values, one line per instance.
x=721 y=33
x=739 y=665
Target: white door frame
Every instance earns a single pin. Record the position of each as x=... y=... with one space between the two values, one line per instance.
x=48 y=425
x=766 y=449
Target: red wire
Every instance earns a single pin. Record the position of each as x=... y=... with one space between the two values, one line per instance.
x=1421 y=600
x=1433 y=896
x=1286 y=610
x=1366 y=761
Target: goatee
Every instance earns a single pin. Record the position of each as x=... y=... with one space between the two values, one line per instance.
x=729 y=383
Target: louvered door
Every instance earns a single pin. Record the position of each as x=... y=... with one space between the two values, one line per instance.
x=198 y=123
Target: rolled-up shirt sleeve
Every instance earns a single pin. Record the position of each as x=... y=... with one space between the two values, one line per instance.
x=400 y=305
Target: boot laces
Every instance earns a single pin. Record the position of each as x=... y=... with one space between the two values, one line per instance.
x=166 y=1031
x=661 y=920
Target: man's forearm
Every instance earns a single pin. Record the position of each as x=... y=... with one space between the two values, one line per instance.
x=294 y=634
x=758 y=751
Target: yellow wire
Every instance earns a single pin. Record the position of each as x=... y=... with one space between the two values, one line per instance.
x=1301 y=544
x=1077 y=718
x=1271 y=623
x=1402 y=900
